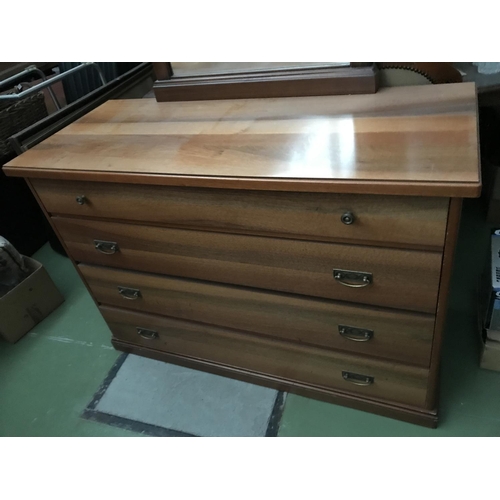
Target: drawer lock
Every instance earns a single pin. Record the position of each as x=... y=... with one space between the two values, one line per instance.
x=357 y=379
x=347 y=218
x=107 y=247
x=355 y=334
x=354 y=279
x=147 y=334
x=129 y=293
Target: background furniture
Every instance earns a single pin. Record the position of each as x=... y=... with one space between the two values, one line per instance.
x=306 y=246
x=416 y=73
x=186 y=81
x=198 y=81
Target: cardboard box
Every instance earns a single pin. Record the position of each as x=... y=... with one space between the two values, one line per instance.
x=490 y=355
x=28 y=303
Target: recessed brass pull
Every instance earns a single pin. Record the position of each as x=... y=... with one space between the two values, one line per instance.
x=355 y=334
x=357 y=379
x=107 y=247
x=147 y=334
x=129 y=293
x=353 y=279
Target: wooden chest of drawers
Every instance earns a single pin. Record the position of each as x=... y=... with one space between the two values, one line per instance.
x=300 y=243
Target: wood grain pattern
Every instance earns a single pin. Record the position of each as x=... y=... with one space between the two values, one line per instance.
x=389 y=221
x=447 y=268
x=392 y=382
x=440 y=189
x=205 y=68
x=401 y=336
x=405 y=413
x=421 y=135
x=247 y=195
x=402 y=279
x=267 y=82
x=68 y=253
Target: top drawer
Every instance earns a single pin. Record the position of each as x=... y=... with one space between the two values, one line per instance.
x=384 y=220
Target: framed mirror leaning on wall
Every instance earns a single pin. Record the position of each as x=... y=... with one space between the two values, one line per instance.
x=187 y=81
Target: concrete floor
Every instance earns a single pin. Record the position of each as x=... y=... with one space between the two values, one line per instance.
x=48 y=378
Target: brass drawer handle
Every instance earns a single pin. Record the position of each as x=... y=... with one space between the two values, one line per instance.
x=347 y=218
x=129 y=293
x=355 y=279
x=107 y=247
x=357 y=379
x=81 y=200
x=147 y=334
x=355 y=334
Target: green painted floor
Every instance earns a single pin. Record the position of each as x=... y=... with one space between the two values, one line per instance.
x=49 y=376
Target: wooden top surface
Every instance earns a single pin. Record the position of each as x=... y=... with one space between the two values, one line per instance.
x=419 y=140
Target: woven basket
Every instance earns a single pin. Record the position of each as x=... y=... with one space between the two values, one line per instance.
x=16 y=117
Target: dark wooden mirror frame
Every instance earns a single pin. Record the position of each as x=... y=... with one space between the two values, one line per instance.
x=357 y=78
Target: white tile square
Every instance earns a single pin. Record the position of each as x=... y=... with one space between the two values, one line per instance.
x=186 y=400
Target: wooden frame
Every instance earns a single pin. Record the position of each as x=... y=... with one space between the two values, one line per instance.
x=361 y=78
x=453 y=113
x=426 y=417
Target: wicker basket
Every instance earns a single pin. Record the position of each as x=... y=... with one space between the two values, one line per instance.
x=16 y=117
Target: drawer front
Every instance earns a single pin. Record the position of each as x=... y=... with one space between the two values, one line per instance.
x=403 y=279
x=328 y=369
x=395 y=335
x=380 y=220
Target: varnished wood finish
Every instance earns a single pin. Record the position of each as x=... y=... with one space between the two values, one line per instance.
x=228 y=212
x=447 y=268
x=411 y=222
x=63 y=243
x=289 y=82
x=300 y=267
x=400 y=336
x=425 y=137
x=393 y=382
x=206 y=68
x=258 y=184
x=400 y=412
